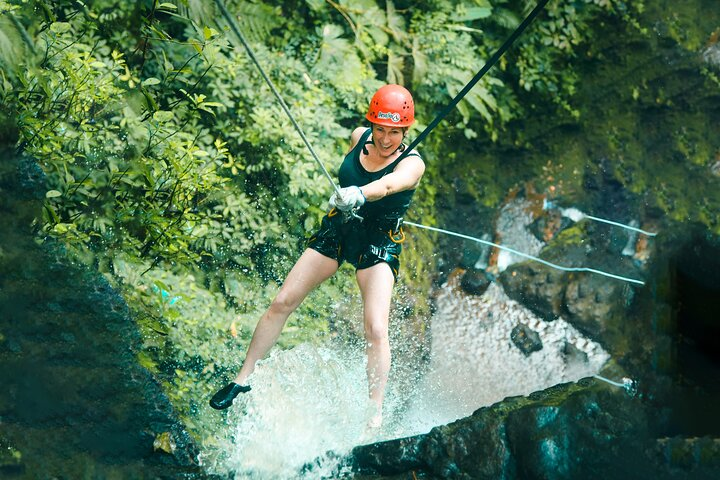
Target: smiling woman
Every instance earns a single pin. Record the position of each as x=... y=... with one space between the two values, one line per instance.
x=364 y=228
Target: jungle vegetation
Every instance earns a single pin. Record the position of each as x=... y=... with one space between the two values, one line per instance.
x=171 y=167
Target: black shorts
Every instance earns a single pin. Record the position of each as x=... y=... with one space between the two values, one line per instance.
x=360 y=243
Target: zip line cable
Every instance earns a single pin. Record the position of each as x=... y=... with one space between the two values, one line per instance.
x=617 y=224
x=628 y=384
x=495 y=57
x=531 y=257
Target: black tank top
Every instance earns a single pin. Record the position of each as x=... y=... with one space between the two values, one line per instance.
x=353 y=173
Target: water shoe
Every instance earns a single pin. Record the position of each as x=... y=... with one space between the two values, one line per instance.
x=225 y=396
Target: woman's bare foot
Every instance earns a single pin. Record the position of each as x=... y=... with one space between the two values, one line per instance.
x=375 y=422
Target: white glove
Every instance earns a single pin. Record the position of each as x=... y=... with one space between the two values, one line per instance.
x=349 y=198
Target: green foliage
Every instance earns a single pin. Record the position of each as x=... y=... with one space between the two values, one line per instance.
x=549 y=47
x=170 y=160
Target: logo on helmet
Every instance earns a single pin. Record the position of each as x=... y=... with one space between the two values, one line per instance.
x=394 y=116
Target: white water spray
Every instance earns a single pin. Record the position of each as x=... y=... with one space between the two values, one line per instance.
x=474 y=363
x=309 y=406
x=305 y=402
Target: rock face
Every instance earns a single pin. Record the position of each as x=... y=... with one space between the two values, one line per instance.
x=555 y=434
x=73 y=399
x=648 y=119
x=474 y=282
x=583 y=430
x=526 y=339
x=538 y=287
x=596 y=305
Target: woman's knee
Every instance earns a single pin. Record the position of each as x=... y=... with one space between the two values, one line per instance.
x=376 y=331
x=284 y=303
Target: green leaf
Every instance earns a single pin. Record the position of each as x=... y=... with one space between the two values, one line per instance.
x=62 y=228
x=316 y=5
x=53 y=194
x=147 y=362
x=209 y=32
x=150 y=81
x=163 y=116
x=60 y=27
x=196 y=45
x=473 y=13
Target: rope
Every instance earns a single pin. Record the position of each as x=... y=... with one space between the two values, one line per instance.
x=496 y=56
x=576 y=215
x=531 y=257
x=236 y=30
x=492 y=61
x=628 y=227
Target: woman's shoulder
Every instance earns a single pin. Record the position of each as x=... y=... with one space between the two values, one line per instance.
x=356 y=136
x=358 y=133
x=414 y=154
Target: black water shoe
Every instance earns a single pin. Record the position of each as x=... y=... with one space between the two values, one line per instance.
x=225 y=396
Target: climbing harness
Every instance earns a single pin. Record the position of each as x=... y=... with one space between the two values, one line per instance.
x=489 y=64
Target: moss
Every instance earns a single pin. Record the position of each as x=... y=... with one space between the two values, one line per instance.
x=648 y=122
x=572 y=236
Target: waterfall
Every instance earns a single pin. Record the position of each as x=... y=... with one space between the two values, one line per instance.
x=309 y=407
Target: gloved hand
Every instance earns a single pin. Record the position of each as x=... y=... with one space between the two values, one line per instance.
x=349 y=198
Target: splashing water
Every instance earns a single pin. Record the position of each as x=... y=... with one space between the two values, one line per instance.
x=511 y=228
x=309 y=406
x=305 y=402
x=474 y=363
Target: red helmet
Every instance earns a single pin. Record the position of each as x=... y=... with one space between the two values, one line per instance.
x=392 y=106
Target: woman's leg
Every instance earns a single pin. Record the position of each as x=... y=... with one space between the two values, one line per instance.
x=311 y=269
x=376 y=284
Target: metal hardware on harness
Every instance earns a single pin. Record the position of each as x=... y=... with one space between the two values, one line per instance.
x=350 y=214
x=398 y=236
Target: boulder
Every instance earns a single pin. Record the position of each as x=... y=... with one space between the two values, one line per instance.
x=526 y=339
x=582 y=430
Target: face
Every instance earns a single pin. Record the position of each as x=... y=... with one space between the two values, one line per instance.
x=387 y=139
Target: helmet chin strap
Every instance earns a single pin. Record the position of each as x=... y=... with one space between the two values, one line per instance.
x=400 y=149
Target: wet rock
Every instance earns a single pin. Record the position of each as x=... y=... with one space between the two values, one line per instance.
x=474 y=282
x=546 y=227
x=538 y=287
x=598 y=306
x=569 y=431
x=526 y=339
x=391 y=457
x=74 y=398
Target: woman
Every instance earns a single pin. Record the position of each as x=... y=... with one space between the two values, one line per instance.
x=364 y=228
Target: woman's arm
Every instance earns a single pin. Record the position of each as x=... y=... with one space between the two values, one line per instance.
x=406 y=176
